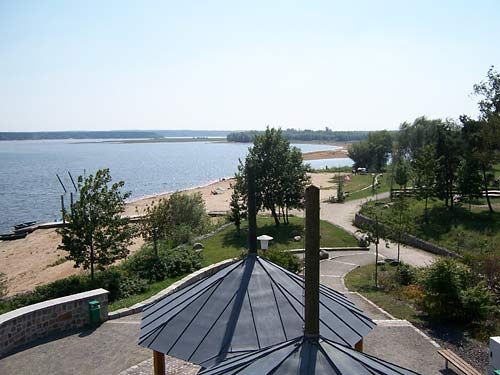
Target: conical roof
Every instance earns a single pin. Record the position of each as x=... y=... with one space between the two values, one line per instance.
x=248 y=305
x=306 y=356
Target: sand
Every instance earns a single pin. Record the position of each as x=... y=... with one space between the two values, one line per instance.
x=30 y=262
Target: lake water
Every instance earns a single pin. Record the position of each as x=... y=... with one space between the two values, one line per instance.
x=29 y=189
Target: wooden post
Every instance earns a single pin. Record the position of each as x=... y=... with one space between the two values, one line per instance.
x=158 y=363
x=359 y=346
x=251 y=211
x=63 y=210
x=311 y=315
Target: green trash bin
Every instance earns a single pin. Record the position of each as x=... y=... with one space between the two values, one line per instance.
x=94 y=312
x=497 y=372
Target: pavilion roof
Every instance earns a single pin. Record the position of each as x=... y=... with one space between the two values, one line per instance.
x=306 y=356
x=248 y=305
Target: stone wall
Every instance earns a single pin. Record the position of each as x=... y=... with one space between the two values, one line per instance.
x=36 y=321
x=408 y=239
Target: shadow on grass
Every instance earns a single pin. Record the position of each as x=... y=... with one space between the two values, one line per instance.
x=282 y=235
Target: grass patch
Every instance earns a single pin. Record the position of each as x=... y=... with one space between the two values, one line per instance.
x=457 y=229
x=59 y=261
x=362 y=280
x=359 y=182
x=229 y=243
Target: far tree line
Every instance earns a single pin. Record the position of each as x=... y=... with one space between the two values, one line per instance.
x=442 y=158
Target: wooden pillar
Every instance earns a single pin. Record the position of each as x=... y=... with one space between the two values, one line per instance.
x=158 y=363
x=311 y=315
x=251 y=211
x=359 y=346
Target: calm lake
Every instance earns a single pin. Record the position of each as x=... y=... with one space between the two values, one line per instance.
x=29 y=189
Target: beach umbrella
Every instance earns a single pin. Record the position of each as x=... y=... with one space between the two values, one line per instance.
x=246 y=306
x=311 y=353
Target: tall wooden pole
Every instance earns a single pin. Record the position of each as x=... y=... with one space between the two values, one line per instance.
x=311 y=328
x=251 y=211
x=63 y=210
x=158 y=363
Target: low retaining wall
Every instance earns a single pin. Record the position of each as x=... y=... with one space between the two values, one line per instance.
x=36 y=321
x=408 y=239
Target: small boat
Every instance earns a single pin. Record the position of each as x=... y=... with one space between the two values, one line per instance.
x=24 y=225
x=12 y=236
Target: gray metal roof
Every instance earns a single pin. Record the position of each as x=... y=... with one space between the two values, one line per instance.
x=302 y=356
x=246 y=306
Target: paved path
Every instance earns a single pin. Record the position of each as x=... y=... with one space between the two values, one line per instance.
x=343 y=216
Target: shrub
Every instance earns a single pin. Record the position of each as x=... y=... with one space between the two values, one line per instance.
x=284 y=259
x=477 y=303
x=414 y=293
x=3 y=285
x=169 y=263
x=443 y=283
x=404 y=274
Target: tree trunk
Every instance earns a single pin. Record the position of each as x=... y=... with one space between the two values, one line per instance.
x=376 y=266
x=275 y=216
x=425 y=211
x=91 y=261
x=485 y=179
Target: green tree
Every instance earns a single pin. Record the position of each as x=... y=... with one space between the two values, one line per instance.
x=97 y=234
x=374 y=233
x=449 y=147
x=469 y=181
x=482 y=136
x=280 y=175
x=402 y=173
x=412 y=137
x=424 y=168
x=175 y=219
x=373 y=152
x=403 y=221
x=237 y=205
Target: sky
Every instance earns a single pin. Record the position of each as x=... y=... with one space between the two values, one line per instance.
x=228 y=65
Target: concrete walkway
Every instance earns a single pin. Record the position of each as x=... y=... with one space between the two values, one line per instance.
x=343 y=216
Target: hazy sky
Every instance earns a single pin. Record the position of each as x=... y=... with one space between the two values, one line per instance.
x=97 y=65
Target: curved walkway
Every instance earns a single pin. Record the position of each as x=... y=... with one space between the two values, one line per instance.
x=343 y=215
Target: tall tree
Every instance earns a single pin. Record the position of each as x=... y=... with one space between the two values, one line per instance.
x=280 y=175
x=424 y=168
x=482 y=136
x=373 y=152
x=97 y=234
x=469 y=180
x=449 y=147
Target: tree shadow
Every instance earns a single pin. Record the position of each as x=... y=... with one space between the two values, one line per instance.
x=282 y=235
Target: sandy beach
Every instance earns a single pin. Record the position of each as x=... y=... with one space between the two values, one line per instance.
x=32 y=261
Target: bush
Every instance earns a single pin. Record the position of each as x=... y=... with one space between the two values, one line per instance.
x=169 y=263
x=404 y=274
x=284 y=259
x=451 y=293
x=477 y=303
x=443 y=283
x=3 y=285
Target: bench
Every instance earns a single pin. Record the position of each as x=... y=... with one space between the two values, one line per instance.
x=458 y=362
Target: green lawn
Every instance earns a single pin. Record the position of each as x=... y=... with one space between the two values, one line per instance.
x=459 y=230
x=362 y=280
x=359 y=182
x=229 y=244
